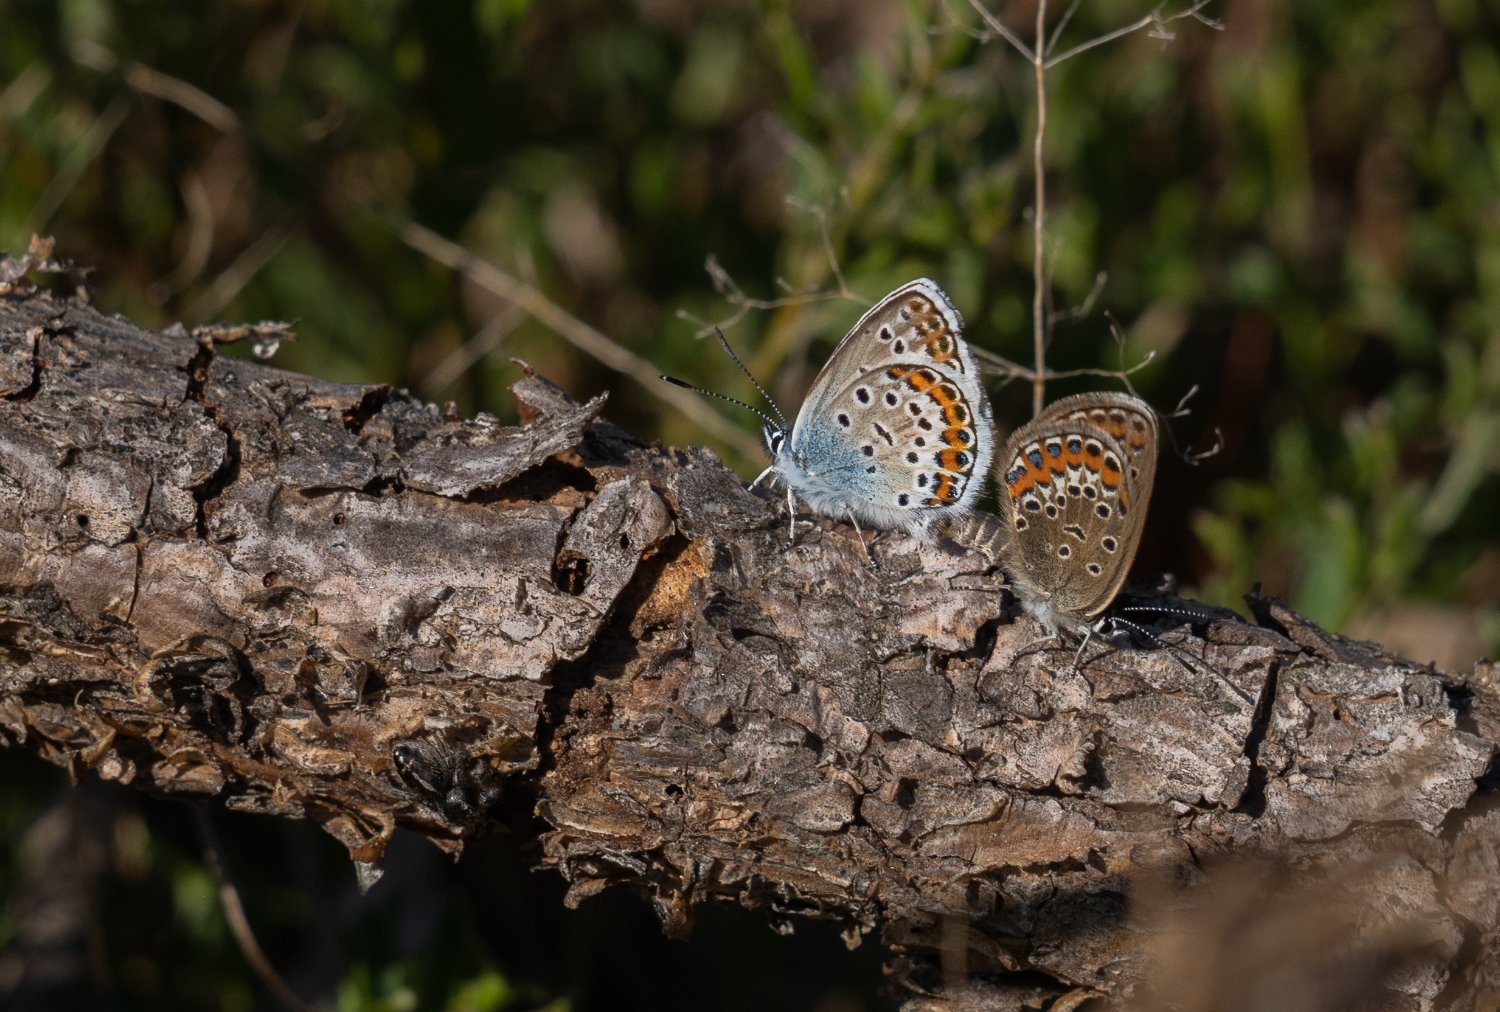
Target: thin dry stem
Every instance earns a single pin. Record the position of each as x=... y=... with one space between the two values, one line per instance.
x=149 y=81
x=1196 y=457
x=239 y=923
x=573 y=330
x=999 y=365
x=237 y=275
x=1038 y=222
x=23 y=90
x=1085 y=307
x=198 y=205
x=1186 y=454
x=488 y=338
x=71 y=170
x=1038 y=56
x=825 y=237
x=1154 y=21
x=1001 y=29
x=732 y=293
x=1062 y=23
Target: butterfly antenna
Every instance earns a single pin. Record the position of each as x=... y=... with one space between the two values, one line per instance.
x=724 y=343
x=1199 y=613
x=724 y=397
x=1190 y=615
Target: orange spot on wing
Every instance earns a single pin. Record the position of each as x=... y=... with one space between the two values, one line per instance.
x=922 y=381
x=956 y=460
x=951 y=437
x=1036 y=475
x=1109 y=473
x=945 y=491
x=948 y=402
x=1018 y=484
x=939 y=347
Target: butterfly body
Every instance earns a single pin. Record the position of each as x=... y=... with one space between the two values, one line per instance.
x=896 y=429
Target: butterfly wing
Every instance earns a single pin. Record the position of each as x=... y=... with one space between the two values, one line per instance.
x=1129 y=421
x=897 y=426
x=1076 y=484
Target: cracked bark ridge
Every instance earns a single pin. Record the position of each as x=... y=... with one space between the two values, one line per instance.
x=329 y=601
x=223 y=579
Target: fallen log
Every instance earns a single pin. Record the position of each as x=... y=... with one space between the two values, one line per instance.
x=228 y=583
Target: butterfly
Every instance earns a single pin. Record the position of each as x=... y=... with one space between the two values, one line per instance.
x=1075 y=485
x=896 y=429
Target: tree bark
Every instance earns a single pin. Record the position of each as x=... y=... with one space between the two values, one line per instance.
x=224 y=581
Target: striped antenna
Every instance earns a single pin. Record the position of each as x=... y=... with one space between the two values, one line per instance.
x=779 y=422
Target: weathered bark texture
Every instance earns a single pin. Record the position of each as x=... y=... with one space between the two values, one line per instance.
x=308 y=599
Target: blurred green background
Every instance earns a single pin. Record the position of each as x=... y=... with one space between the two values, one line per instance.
x=1299 y=214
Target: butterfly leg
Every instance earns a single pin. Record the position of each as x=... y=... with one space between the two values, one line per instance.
x=870 y=559
x=1078 y=657
x=1186 y=659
